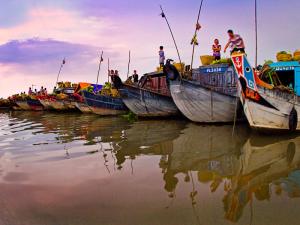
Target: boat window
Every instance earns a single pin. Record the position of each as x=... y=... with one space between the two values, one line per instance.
x=287 y=78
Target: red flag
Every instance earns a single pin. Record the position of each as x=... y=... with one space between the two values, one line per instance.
x=64 y=61
x=198 y=26
x=101 y=60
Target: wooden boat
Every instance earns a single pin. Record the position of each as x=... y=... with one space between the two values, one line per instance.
x=270 y=105
x=83 y=107
x=61 y=100
x=104 y=105
x=210 y=96
x=150 y=97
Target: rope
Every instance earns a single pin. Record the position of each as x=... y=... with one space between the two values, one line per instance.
x=99 y=68
x=193 y=52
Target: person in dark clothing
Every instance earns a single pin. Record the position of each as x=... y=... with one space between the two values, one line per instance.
x=135 y=77
x=116 y=80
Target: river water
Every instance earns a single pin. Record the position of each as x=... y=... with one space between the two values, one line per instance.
x=73 y=169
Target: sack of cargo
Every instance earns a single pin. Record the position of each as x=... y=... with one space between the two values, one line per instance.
x=284 y=56
x=159 y=69
x=179 y=66
x=114 y=92
x=297 y=55
x=67 y=84
x=61 y=84
x=206 y=59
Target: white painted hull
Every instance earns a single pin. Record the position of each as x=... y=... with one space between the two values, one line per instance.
x=266 y=118
x=202 y=105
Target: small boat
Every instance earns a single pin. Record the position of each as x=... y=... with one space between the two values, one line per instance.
x=104 y=105
x=270 y=97
x=150 y=97
x=209 y=96
x=61 y=100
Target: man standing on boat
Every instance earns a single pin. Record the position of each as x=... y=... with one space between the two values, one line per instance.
x=161 y=56
x=235 y=42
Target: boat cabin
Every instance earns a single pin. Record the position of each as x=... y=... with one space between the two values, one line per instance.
x=289 y=74
x=155 y=81
x=221 y=75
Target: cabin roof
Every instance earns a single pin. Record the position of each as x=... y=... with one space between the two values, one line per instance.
x=285 y=66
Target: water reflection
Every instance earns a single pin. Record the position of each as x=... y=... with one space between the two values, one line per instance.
x=174 y=164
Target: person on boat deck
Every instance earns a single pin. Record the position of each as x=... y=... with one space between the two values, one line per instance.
x=30 y=91
x=115 y=79
x=42 y=90
x=135 y=77
x=235 y=42
x=161 y=56
x=35 y=91
x=111 y=73
x=45 y=91
x=216 y=47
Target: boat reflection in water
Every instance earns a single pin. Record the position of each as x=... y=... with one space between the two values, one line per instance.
x=79 y=167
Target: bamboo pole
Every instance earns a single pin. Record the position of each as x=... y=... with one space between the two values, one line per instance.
x=129 y=60
x=99 y=68
x=164 y=16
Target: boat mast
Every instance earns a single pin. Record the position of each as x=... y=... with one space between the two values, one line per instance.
x=197 y=28
x=61 y=66
x=164 y=16
x=129 y=60
x=101 y=60
x=256 y=35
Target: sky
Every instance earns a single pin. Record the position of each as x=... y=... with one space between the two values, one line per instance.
x=35 y=35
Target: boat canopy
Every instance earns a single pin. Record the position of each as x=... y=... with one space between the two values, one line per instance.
x=289 y=74
x=83 y=85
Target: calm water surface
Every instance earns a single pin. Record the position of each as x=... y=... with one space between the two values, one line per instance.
x=78 y=169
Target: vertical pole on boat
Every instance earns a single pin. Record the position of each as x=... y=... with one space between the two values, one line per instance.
x=129 y=60
x=256 y=34
x=108 y=71
x=194 y=44
x=99 y=68
x=164 y=16
x=61 y=66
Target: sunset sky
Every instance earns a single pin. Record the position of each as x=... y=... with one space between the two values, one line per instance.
x=35 y=35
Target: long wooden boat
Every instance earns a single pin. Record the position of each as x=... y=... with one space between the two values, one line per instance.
x=23 y=104
x=30 y=104
x=210 y=96
x=268 y=106
x=104 y=105
x=150 y=97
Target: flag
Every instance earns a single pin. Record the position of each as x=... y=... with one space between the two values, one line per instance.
x=198 y=26
x=101 y=60
x=163 y=15
x=64 y=61
x=194 y=40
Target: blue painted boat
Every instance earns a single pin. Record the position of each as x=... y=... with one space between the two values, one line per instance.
x=104 y=105
x=150 y=97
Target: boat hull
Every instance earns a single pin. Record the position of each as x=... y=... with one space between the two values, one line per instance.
x=35 y=105
x=23 y=105
x=277 y=117
x=46 y=103
x=84 y=108
x=104 y=105
x=203 y=105
x=145 y=103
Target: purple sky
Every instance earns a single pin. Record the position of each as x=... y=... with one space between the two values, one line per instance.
x=35 y=35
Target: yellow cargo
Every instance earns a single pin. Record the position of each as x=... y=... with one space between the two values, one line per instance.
x=114 y=92
x=179 y=66
x=206 y=59
x=67 y=84
x=284 y=57
x=297 y=55
x=159 y=69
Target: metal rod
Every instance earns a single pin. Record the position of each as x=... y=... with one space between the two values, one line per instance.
x=108 y=70
x=256 y=35
x=61 y=66
x=99 y=68
x=129 y=59
x=193 y=51
x=164 y=16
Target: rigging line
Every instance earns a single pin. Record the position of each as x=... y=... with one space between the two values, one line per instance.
x=256 y=34
x=193 y=52
x=164 y=16
x=99 y=68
